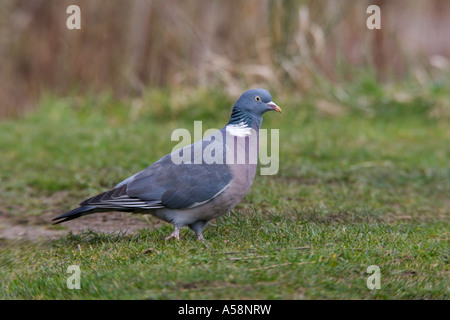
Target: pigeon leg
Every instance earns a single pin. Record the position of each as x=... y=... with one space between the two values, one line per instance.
x=197 y=227
x=175 y=234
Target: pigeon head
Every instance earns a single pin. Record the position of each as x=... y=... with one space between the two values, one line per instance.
x=249 y=108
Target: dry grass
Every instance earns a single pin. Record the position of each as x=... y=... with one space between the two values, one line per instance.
x=126 y=46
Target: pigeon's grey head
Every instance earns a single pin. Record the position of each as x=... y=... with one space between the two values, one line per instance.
x=250 y=107
x=256 y=102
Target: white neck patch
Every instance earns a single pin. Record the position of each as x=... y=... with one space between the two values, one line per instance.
x=240 y=130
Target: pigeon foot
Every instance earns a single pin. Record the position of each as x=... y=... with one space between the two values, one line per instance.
x=175 y=234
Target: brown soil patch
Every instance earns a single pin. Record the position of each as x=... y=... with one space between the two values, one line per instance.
x=34 y=228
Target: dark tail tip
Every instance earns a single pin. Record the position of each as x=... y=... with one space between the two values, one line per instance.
x=73 y=214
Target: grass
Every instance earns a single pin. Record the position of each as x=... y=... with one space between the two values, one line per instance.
x=366 y=185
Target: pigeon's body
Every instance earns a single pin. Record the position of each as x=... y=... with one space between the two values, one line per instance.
x=206 y=185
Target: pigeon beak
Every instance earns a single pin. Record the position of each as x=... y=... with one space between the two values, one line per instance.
x=274 y=106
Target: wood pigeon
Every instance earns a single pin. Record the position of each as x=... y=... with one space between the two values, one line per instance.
x=196 y=183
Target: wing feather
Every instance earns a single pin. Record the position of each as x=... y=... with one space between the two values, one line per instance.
x=166 y=184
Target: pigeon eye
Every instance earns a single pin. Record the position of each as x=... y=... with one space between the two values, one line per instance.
x=257 y=98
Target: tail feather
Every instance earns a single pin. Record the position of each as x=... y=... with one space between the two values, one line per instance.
x=75 y=213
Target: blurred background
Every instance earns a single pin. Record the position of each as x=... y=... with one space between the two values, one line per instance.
x=287 y=46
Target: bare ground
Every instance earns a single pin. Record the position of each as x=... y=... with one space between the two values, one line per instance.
x=31 y=219
x=37 y=228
